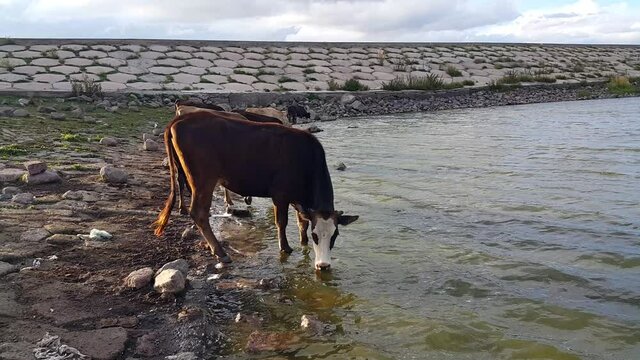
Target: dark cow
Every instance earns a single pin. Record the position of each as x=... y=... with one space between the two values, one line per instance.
x=187 y=106
x=296 y=111
x=290 y=168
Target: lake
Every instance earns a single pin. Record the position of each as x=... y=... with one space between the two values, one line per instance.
x=498 y=233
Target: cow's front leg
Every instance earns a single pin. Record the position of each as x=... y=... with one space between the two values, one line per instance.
x=282 y=217
x=303 y=226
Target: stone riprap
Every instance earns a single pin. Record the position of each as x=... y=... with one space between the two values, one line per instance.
x=149 y=65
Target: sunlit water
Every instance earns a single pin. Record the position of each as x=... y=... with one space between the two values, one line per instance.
x=509 y=232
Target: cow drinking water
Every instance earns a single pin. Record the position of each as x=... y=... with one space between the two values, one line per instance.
x=290 y=168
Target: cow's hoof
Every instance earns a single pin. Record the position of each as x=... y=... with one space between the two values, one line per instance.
x=247 y=200
x=288 y=250
x=224 y=259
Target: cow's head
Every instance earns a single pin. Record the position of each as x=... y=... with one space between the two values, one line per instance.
x=324 y=231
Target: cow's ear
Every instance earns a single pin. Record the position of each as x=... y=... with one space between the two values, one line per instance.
x=345 y=220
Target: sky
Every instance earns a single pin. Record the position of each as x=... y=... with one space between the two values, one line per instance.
x=545 y=21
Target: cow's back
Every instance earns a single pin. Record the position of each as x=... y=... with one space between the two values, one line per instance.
x=251 y=159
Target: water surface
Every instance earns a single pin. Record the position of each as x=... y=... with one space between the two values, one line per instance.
x=509 y=232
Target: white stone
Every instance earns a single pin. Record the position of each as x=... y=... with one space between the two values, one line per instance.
x=111 y=62
x=237 y=87
x=113 y=175
x=220 y=70
x=172 y=62
x=179 y=55
x=11 y=175
x=99 y=69
x=169 y=281
x=92 y=54
x=26 y=54
x=28 y=70
x=45 y=177
x=193 y=70
x=165 y=70
x=78 y=62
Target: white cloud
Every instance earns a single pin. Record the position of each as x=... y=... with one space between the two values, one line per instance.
x=323 y=20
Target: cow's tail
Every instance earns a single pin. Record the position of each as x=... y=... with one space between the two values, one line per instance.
x=163 y=217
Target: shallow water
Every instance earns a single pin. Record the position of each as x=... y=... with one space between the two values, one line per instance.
x=509 y=232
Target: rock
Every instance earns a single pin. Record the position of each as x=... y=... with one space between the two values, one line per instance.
x=341 y=166
x=46 y=109
x=253 y=320
x=21 y=113
x=156 y=131
x=108 y=141
x=23 y=198
x=99 y=235
x=6 y=110
x=147 y=345
x=10 y=175
x=314 y=129
x=169 y=281
x=124 y=321
x=24 y=102
x=270 y=341
x=165 y=162
x=42 y=178
x=145 y=137
x=82 y=195
x=35 y=167
x=77 y=113
x=10 y=190
x=113 y=175
x=62 y=239
x=357 y=105
x=181 y=265
x=6 y=268
x=347 y=99
x=100 y=344
x=315 y=326
x=182 y=356
x=190 y=233
x=57 y=116
x=139 y=278
x=34 y=235
x=150 y=145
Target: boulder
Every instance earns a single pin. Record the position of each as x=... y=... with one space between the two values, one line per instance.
x=150 y=145
x=181 y=265
x=347 y=99
x=314 y=129
x=169 y=281
x=6 y=268
x=46 y=109
x=57 y=116
x=341 y=166
x=113 y=175
x=42 y=178
x=165 y=162
x=10 y=175
x=21 y=113
x=108 y=141
x=156 y=131
x=81 y=195
x=100 y=344
x=315 y=326
x=35 y=167
x=6 y=110
x=10 y=190
x=139 y=278
x=24 y=102
x=62 y=239
x=23 y=198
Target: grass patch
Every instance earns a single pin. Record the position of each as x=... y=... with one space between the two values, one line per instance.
x=51 y=54
x=168 y=79
x=85 y=86
x=12 y=150
x=5 y=63
x=428 y=82
x=333 y=85
x=354 y=85
x=263 y=72
x=284 y=79
x=583 y=94
x=516 y=77
x=453 y=71
x=468 y=83
x=79 y=167
x=7 y=41
x=621 y=85
x=309 y=71
x=241 y=72
x=561 y=77
x=70 y=137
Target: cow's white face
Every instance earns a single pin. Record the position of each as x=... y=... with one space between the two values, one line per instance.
x=324 y=236
x=324 y=230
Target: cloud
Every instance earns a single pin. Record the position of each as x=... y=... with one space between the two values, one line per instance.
x=322 y=20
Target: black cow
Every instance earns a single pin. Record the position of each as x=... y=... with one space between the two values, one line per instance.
x=296 y=111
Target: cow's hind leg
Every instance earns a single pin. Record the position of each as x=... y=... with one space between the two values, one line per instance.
x=182 y=180
x=281 y=211
x=303 y=226
x=200 y=206
x=227 y=198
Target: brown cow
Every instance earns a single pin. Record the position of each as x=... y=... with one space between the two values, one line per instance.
x=187 y=106
x=269 y=111
x=290 y=168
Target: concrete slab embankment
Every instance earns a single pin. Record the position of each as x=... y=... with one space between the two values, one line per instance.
x=41 y=65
